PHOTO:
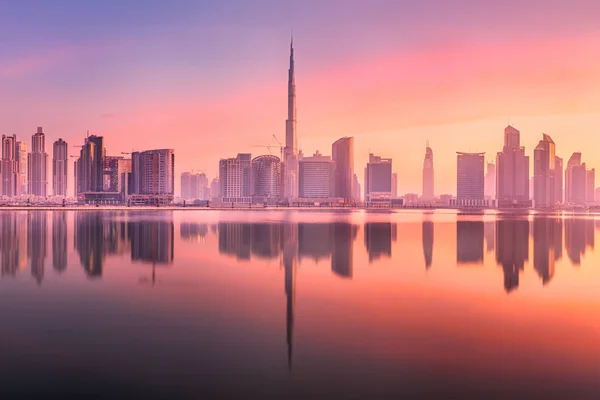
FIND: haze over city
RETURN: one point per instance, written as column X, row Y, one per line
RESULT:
column 209, row 80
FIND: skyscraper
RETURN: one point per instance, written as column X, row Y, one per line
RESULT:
column 235, row 178
column 558, row 180
column 490, row 181
column 342, row 153
column 576, row 181
column 60, row 160
column 378, row 179
column 22, row 167
column 37, row 161
column 512, row 168
column 356, row 188
column 316, row 177
column 590, row 185
column 394, row 185
column 10, row 166
column 290, row 154
column 470, row 179
column 544, row 169
column 428, row 192
column 153, row 172
column 90, row 166
column 266, row 178
column 185, row 185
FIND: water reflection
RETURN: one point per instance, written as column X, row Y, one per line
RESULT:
column 36, row 244
column 59, row 241
column 469, row 242
column 352, row 274
column 427, row 237
column 579, row 235
column 378, row 239
column 98, row 235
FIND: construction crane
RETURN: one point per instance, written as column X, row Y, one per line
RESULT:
column 264, row 145
column 280, row 146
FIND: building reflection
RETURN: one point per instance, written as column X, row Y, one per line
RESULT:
column 97, row 235
column 36, row 243
column 315, row 241
column 489, row 230
column 547, row 246
column 59, row 241
column 89, row 242
column 427, row 237
column 152, row 241
column 342, row 256
column 193, row 231
column 266, row 240
column 469, row 242
column 512, row 249
column 234, row 239
column 9, row 244
column 378, row 239
column 289, row 260
column 579, row 235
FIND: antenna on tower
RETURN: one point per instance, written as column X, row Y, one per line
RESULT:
column 427, row 143
column 88, row 133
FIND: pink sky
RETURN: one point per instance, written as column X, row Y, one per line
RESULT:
column 212, row 90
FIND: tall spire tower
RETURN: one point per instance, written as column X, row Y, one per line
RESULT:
column 290, row 157
column 291, row 140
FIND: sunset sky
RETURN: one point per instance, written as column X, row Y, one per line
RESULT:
column 209, row 78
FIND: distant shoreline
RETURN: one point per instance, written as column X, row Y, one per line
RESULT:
column 499, row 211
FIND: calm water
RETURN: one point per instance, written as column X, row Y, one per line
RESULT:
column 298, row 304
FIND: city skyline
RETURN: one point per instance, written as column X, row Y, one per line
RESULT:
column 450, row 105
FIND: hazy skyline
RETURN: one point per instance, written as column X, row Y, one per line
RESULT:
column 210, row 79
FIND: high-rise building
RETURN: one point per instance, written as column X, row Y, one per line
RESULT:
column 316, row 177
column 544, row 169
column 558, row 180
column 428, row 192
column 470, row 183
column 185, row 185
column 197, row 186
column 378, row 178
column 37, row 161
column 590, row 185
column 235, row 178
column 266, row 178
column 90, row 165
column 22, row 167
column 342, row 154
column 60, row 160
column 10, row 166
column 394, row 185
column 356, row 188
column 290, row 154
column 512, row 168
column 577, row 178
column 153, row 175
column 490, row 181
column 215, row 190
